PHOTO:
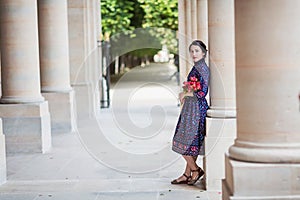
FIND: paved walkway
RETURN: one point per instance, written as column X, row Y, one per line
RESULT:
column 123, row 152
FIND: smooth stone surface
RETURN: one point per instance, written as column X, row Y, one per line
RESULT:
column 246, row 180
column 220, row 136
column 61, row 107
column 26, row 127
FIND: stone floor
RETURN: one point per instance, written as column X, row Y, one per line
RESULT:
column 122, row 152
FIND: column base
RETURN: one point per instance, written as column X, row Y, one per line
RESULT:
column 26, row 127
column 260, row 181
column 220, row 135
column 262, row 152
column 216, row 112
column 61, row 107
column 19, row 100
column 2, row 156
column 87, row 101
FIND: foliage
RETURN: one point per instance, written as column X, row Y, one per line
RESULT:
column 138, row 15
column 162, row 14
column 121, row 18
column 116, row 16
column 142, row 41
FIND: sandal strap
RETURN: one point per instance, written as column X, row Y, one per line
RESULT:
column 186, row 176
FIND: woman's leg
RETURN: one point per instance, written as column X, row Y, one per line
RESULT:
column 187, row 172
column 188, row 169
column 195, row 169
column 191, row 162
column 195, row 158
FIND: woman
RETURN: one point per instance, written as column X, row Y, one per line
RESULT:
column 190, row 129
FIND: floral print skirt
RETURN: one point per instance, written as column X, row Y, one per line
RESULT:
column 190, row 130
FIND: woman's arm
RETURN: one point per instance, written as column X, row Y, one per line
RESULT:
column 204, row 85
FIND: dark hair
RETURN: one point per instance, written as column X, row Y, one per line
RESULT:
column 200, row 44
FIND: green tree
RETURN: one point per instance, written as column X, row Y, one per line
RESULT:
column 138, row 15
column 162, row 14
column 158, row 18
column 116, row 16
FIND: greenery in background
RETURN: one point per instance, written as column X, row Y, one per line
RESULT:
column 164, row 15
column 139, row 42
column 138, row 15
column 160, row 13
column 121, row 18
column 116, row 16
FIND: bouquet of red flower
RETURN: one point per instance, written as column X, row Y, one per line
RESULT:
column 192, row 85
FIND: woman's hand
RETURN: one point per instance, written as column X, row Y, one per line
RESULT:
column 189, row 94
column 182, row 95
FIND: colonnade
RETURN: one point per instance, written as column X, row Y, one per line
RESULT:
column 214, row 22
column 39, row 47
column 192, row 22
column 24, row 111
column 49, row 50
column 254, row 95
column 264, row 162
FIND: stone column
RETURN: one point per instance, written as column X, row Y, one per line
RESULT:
column 83, row 36
column 192, row 24
column 54, row 63
column 2, row 146
column 94, row 67
column 194, row 18
column 25, row 114
column 202, row 21
column 77, row 53
column 264, row 162
column 221, row 116
column 0, row 76
column 2, row 156
column 182, row 43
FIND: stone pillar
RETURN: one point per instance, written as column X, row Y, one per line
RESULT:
column 2, row 146
column 77, row 53
column 202, row 21
column 192, row 24
column 0, row 77
column 95, row 53
column 2, row 156
column 54, row 63
column 194, row 18
column 83, row 36
column 221, row 116
column 182, row 43
column 25, row 114
column 264, row 162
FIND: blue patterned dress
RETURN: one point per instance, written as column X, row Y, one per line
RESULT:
column 190, row 130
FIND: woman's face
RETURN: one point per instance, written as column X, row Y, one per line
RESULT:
column 196, row 53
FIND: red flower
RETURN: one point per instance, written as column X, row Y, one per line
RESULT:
column 194, row 79
column 192, row 85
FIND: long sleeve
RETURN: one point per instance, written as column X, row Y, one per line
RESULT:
column 204, row 80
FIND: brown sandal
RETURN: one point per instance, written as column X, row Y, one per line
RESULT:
column 183, row 181
column 200, row 174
